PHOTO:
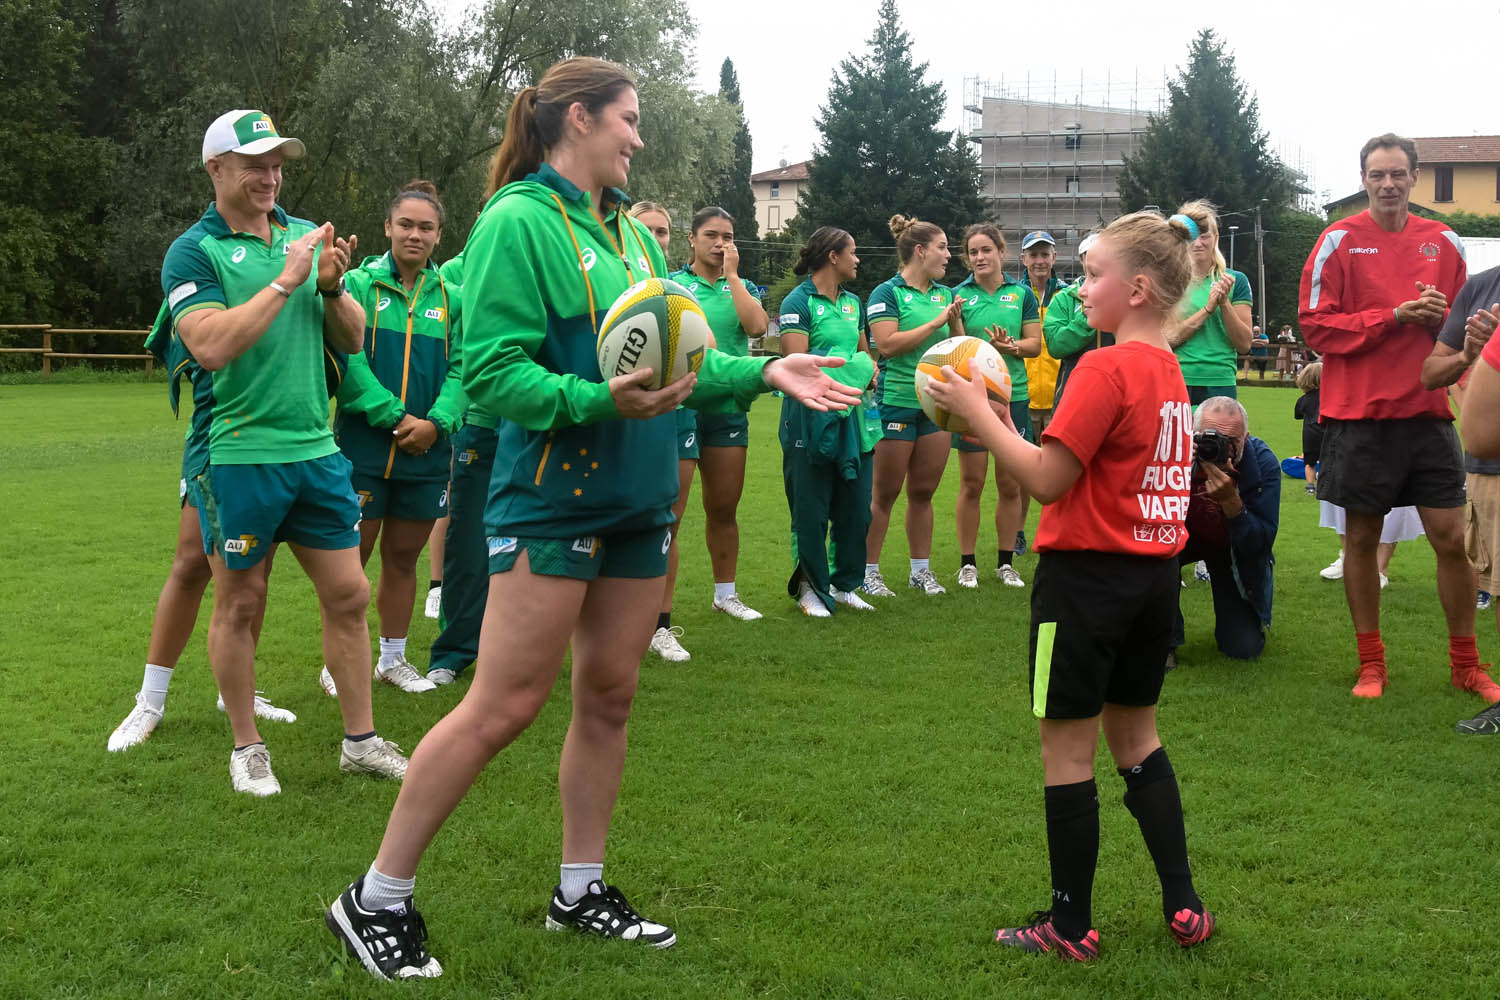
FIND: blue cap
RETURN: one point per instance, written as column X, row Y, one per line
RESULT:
column 1032, row 239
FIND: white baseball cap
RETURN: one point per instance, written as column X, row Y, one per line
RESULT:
column 248, row 132
column 1087, row 243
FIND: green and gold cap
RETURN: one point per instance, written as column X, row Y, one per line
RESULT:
column 248, row 132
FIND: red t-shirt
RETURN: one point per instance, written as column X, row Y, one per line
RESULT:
column 1351, row 285
column 1127, row 419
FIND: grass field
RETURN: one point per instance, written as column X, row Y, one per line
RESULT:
column 820, row 809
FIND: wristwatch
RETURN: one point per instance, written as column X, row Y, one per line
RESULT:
column 336, row 291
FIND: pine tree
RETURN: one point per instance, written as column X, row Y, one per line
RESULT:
column 1207, row 144
column 733, row 192
column 882, row 153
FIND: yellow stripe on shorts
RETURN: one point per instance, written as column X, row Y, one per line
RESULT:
column 1046, row 632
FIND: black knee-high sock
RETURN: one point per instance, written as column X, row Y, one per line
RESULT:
column 1152, row 797
column 1073, row 850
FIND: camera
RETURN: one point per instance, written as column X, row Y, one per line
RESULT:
column 1212, row 448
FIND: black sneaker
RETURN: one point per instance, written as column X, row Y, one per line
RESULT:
column 389, row 943
column 605, row 912
column 1486, row 723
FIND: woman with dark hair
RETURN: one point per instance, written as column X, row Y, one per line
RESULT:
column 824, row 463
column 398, row 407
column 908, row 314
column 732, row 305
column 579, row 511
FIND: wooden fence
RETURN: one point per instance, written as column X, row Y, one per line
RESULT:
column 49, row 353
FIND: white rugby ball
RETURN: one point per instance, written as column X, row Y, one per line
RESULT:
column 654, row 324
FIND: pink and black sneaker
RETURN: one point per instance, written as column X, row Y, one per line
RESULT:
column 1041, row 936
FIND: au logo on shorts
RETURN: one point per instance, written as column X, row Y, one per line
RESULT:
column 499, row 545
column 468, row 455
column 893, row 426
column 588, row 545
column 364, row 497
column 240, row 545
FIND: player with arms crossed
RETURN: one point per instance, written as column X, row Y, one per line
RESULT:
column 1113, row 469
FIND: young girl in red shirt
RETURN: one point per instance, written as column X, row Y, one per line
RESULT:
column 1114, row 468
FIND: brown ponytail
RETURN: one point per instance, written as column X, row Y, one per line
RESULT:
column 536, row 116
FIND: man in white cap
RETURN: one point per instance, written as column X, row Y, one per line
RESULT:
column 237, row 284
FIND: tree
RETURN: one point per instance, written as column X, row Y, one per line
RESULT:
column 1207, row 144
column 881, row 152
column 731, row 190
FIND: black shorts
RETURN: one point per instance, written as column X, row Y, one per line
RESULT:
column 1101, row 629
column 1370, row 466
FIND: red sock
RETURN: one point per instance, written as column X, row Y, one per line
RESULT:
column 1371, row 649
column 1463, row 654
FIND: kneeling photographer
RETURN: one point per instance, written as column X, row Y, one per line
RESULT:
column 1231, row 524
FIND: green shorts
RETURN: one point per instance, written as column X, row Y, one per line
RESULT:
column 243, row 509
column 410, row 500
column 636, row 555
column 723, row 430
column 1020, row 415
column 687, row 434
column 904, row 423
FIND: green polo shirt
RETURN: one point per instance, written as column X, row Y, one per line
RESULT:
column 1208, row 357
column 270, row 403
column 895, row 299
column 1010, row 307
column 717, row 300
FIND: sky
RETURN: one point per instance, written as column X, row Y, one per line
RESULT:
column 1328, row 74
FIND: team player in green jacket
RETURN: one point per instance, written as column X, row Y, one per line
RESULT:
column 907, row 315
column 398, row 410
column 735, row 314
column 579, row 510
column 1007, row 314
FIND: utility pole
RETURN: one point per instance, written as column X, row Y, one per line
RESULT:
column 1260, row 261
column 1232, row 231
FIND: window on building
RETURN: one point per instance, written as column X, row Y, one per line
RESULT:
column 1074, row 140
column 775, row 189
column 1073, row 185
column 773, row 217
column 1497, row 183
column 1442, row 183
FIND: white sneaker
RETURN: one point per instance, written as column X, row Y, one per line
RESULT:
column 434, row 602
column 968, row 577
column 664, row 644
column 137, row 726
column 810, row 603
column 1007, row 575
column 250, row 771
column 850, row 599
column 396, row 670
column 736, row 608
column 265, row 710
column 1334, row 570
column 1385, row 581
column 325, row 681
column 379, row 757
column 926, row 581
column 874, row 584
column 441, row 675
column 1200, row 571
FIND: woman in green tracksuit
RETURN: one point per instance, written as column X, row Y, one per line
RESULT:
column 907, row 315
column 579, row 507
column 735, row 314
column 397, row 408
column 1007, row 313
column 1066, row 329
column 824, row 462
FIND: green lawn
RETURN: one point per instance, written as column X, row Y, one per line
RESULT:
column 820, row 809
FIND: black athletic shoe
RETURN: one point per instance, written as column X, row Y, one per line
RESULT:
column 388, row 943
column 605, row 912
column 1486, row 723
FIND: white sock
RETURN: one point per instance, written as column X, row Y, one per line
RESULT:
column 872, row 567
column 918, row 564
column 574, row 880
column 723, row 591
column 392, row 648
column 154, row 685
column 381, row 891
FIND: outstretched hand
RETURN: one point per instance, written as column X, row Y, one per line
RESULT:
column 801, row 377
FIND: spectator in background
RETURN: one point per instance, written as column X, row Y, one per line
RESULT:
column 1066, row 329
column 1310, row 381
column 1374, row 292
column 1232, row 520
column 1038, row 255
column 1284, row 340
column 1213, row 324
column 1259, row 348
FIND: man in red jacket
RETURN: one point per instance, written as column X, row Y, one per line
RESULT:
column 1374, row 293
